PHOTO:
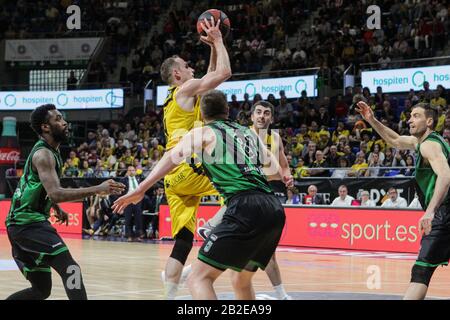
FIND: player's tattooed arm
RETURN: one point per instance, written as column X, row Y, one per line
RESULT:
column 44, row 164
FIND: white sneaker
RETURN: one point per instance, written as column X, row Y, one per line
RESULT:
column 287, row 297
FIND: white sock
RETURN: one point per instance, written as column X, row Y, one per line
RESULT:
column 171, row 289
column 279, row 290
column 185, row 273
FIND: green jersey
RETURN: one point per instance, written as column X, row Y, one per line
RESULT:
column 425, row 176
column 234, row 165
column 30, row 202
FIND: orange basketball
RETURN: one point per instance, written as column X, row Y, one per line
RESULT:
column 217, row 14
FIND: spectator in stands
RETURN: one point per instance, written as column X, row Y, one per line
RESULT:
column 133, row 213
column 415, row 204
column 72, row 81
column 106, row 139
column 301, row 170
column 389, row 157
column 85, row 171
column 91, row 139
column 292, row 197
column 394, row 200
column 343, row 200
column 69, row 169
column 374, row 164
column 317, row 165
column 333, row 157
column 151, row 224
column 324, row 142
column 343, row 168
column 358, row 168
column 340, row 131
column 309, row 153
column 127, row 158
column 349, row 154
column 376, row 149
column 312, row 198
column 156, row 146
column 120, row 149
column 365, row 199
column 409, row 171
column 283, row 110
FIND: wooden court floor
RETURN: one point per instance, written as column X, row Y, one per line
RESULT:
column 120, row 271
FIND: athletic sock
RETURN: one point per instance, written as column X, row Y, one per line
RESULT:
column 279, row 290
column 185, row 274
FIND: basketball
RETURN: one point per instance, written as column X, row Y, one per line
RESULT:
column 217, row 14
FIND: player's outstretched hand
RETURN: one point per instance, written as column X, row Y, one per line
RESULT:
column 110, row 187
column 123, row 202
column 365, row 111
column 61, row 216
column 212, row 31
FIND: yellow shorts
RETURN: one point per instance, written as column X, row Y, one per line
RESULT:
column 184, row 187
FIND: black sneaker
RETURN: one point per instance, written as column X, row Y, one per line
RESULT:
column 203, row 232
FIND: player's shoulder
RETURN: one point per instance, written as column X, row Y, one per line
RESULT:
column 429, row 147
column 42, row 153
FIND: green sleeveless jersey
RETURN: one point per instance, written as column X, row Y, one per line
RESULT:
column 235, row 165
column 425, row 176
column 30, row 202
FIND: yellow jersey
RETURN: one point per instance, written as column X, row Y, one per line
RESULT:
column 178, row 122
column 271, row 142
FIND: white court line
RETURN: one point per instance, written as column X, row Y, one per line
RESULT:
column 140, row 292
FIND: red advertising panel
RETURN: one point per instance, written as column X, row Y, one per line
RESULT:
column 74, row 209
column 358, row 229
column 165, row 225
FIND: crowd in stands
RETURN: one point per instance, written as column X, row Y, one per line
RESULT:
column 283, row 34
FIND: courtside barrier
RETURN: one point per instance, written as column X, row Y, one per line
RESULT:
column 335, row 228
column 74, row 209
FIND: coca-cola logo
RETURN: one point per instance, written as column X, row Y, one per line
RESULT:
column 9, row 156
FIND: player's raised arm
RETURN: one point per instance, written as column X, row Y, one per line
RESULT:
column 44, row 163
column 432, row 151
column 222, row 70
column 388, row 135
column 274, row 169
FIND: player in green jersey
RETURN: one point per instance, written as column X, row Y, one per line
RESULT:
column 232, row 157
column 262, row 115
column 36, row 246
column 433, row 182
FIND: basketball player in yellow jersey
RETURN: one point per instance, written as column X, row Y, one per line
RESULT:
column 262, row 117
column 186, row 184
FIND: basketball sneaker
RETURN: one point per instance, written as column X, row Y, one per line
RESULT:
column 204, row 232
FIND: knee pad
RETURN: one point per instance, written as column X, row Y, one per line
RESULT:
column 183, row 245
column 420, row 274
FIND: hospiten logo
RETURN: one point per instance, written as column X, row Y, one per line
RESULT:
column 418, row 78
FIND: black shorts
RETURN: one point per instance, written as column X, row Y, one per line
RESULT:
column 248, row 234
column 32, row 244
column 435, row 247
